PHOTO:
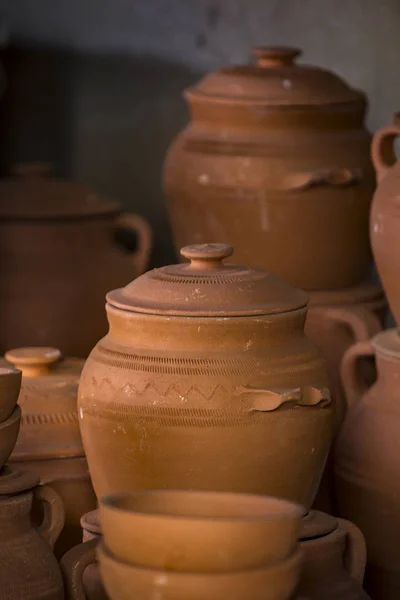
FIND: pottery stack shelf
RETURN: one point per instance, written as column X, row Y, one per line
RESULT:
column 367, row 459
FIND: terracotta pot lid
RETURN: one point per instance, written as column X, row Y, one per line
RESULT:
column 276, row 80
column 207, row 287
column 48, row 400
column 317, row 524
column 15, row 482
column 362, row 294
column 34, row 194
column 387, row 342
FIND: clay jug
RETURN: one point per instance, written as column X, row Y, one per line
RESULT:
column 28, row 567
column 385, row 215
column 367, row 462
column 333, row 562
column 276, row 161
column 204, row 371
column 49, row 442
column 58, row 256
column 336, row 319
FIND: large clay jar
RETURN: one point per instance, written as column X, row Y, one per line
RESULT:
column 368, row 462
column 334, row 563
column 49, row 442
column 58, row 256
column 385, row 214
column 276, row 161
column 28, row 567
column 206, row 381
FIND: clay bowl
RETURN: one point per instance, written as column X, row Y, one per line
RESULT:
column 9, row 430
column 125, row 581
column 199, row 531
column 10, row 385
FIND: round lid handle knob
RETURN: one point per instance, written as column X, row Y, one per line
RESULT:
column 206, row 256
column 33, row 361
column 275, row 56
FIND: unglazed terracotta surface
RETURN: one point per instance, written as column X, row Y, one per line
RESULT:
column 385, row 214
column 8, row 435
column 206, row 381
column 367, row 461
column 10, row 385
column 276, row 161
column 28, row 567
column 333, row 564
column 59, row 257
column 199, row 531
column 49, row 442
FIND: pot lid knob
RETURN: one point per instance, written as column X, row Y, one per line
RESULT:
column 206, row 256
column 275, row 56
column 33, row 170
column 33, row 361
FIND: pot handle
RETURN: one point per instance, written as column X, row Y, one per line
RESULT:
column 354, row 387
column 363, row 323
column 382, row 150
column 141, row 227
column 54, row 513
column 323, row 177
column 73, row 565
column 264, row 400
column 355, row 558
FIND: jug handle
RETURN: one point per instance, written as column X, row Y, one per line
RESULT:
column 355, row 558
column 141, row 227
column 73, row 565
column 363, row 323
column 382, row 150
column 354, row 387
column 54, row 513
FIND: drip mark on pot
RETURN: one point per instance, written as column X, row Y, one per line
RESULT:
column 203, row 179
column 264, row 218
column 287, row 84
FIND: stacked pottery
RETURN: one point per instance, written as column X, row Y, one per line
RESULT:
column 59, row 254
column 28, row 567
column 182, row 545
column 49, row 442
column 367, row 458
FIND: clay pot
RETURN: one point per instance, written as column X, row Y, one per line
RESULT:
column 203, row 374
column 124, row 581
column 58, row 257
column 334, row 563
column 10, row 385
column 276, row 151
column 28, row 567
column 199, row 531
column 367, row 460
column 8, row 435
column 385, row 216
column 49, row 442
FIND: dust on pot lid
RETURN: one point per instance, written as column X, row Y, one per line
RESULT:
column 32, row 193
column 207, row 287
column 275, row 80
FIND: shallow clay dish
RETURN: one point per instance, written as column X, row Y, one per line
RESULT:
column 10, row 384
column 124, row 582
column 9, row 430
column 199, row 531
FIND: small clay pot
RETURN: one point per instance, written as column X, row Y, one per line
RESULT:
column 199, row 531
column 10, row 384
column 334, row 564
column 28, row 567
column 49, row 442
column 124, row 581
column 8, row 435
